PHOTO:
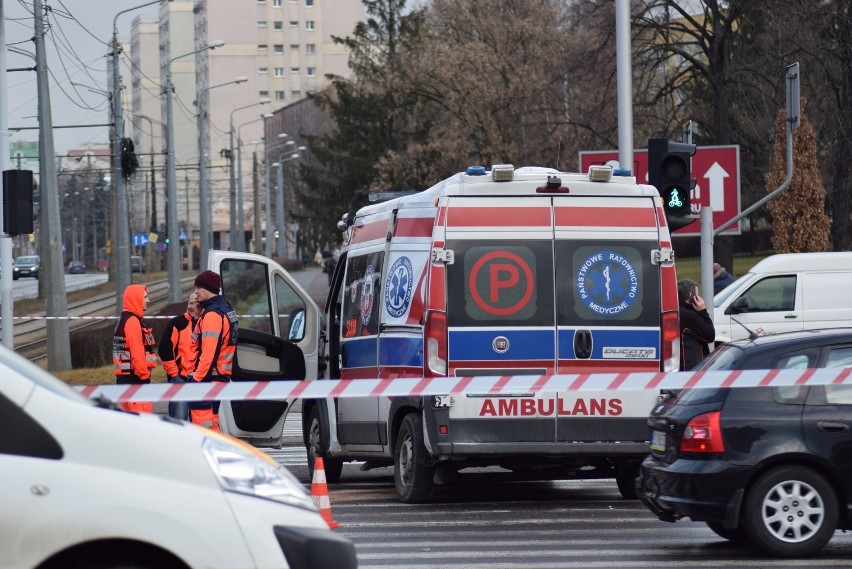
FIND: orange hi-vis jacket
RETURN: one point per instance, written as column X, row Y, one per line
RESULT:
column 133, row 342
column 177, row 346
column 216, row 337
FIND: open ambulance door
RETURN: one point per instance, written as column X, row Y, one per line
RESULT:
column 279, row 329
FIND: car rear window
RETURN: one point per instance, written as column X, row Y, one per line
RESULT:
column 725, row 357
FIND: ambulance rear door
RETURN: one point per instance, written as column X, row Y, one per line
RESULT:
column 608, row 306
column 500, row 314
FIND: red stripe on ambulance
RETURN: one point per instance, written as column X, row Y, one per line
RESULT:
column 498, row 217
column 599, row 216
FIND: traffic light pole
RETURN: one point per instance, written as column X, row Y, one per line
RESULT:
column 707, row 232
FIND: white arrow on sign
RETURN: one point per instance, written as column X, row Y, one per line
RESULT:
column 716, row 175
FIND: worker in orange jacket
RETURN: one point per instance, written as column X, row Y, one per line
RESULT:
column 177, row 352
column 133, row 344
column 216, row 340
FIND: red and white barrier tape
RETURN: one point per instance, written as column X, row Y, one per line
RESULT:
column 266, row 316
column 487, row 385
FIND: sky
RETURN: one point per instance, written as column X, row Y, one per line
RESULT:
column 82, row 29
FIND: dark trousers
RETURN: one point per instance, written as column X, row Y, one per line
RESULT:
column 178, row 409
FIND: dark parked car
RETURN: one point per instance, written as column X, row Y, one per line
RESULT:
column 26, row 266
column 767, row 465
column 76, row 268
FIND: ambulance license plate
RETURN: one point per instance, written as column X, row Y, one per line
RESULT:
column 658, row 441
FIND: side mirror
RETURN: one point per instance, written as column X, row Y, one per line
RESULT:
column 297, row 325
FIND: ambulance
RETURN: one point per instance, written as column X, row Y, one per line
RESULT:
column 500, row 272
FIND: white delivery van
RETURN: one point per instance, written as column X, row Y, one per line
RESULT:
column 786, row 292
column 84, row 484
column 527, row 271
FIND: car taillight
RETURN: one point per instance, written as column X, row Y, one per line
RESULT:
column 435, row 344
column 703, row 434
column 671, row 341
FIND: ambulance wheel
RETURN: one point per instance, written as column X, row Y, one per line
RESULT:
column 413, row 477
column 316, row 448
column 625, row 479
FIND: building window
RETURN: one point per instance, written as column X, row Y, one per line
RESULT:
column 261, row 47
column 276, row 3
column 278, row 25
column 309, row 2
column 294, row 70
column 294, row 47
column 310, row 48
column 279, row 95
column 261, row 23
column 263, row 70
column 261, row 1
column 310, row 25
column 295, row 94
column 279, row 72
column 263, row 93
column 311, row 71
column 294, row 23
column 279, row 48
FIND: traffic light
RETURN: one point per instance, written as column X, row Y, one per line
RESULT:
column 669, row 171
column 276, row 234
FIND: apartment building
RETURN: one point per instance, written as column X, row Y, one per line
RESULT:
column 280, row 50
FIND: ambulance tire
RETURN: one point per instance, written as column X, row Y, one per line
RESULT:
column 625, row 479
column 413, row 477
column 317, row 447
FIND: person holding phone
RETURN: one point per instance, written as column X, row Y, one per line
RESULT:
column 696, row 326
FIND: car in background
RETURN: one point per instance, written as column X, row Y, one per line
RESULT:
column 76, row 268
column 86, row 484
column 26, row 266
column 137, row 264
column 767, row 465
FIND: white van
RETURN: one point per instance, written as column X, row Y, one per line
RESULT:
column 784, row 293
column 84, row 484
column 526, row 271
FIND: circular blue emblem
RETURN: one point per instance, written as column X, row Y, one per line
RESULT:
column 399, row 287
column 607, row 283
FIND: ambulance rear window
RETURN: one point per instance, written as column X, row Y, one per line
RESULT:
column 491, row 283
column 609, row 283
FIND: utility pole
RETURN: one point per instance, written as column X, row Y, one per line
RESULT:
column 258, row 245
column 58, row 339
column 7, row 309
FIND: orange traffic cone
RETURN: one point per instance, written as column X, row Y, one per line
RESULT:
column 319, row 492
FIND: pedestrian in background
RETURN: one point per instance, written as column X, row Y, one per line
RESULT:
column 216, row 341
column 133, row 344
column 721, row 278
column 177, row 352
column 696, row 326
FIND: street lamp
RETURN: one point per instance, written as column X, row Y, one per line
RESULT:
column 232, row 237
column 122, row 229
column 280, row 250
column 268, row 245
column 204, row 215
column 173, row 235
column 241, row 230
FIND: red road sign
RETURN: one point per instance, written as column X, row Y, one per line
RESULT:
column 716, row 170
